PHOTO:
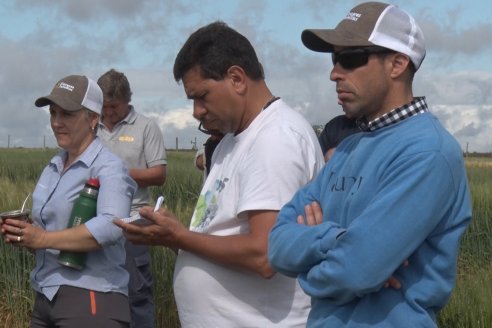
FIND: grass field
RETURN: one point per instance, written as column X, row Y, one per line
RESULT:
column 470, row 305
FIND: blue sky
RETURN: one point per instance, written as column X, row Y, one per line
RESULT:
column 44, row 40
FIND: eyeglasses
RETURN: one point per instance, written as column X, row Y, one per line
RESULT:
column 211, row 132
column 202, row 129
column 352, row 58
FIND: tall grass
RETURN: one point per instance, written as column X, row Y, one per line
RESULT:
column 181, row 190
column 19, row 171
column 470, row 305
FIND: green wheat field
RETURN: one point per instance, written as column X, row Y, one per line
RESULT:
column 469, row 307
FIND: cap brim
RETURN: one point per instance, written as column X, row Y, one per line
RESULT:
column 315, row 40
column 63, row 102
column 326, row 40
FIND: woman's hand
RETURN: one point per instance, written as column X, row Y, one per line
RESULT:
column 22, row 233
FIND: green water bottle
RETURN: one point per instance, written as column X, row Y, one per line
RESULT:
column 84, row 209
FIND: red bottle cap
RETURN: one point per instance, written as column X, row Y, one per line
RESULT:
column 93, row 182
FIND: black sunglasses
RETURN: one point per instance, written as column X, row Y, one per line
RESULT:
column 352, row 58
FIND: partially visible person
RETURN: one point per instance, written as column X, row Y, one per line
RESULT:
column 222, row 276
column 209, row 148
column 203, row 157
column 337, row 129
column 95, row 296
column 396, row 191
column 139, row 142
column 199, row 161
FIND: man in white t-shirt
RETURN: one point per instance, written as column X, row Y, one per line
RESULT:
column 222, row 276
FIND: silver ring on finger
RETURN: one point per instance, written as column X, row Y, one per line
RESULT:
column 19, row 239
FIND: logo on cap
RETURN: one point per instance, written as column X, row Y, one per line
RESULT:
column 353, row 16
column 63, row 85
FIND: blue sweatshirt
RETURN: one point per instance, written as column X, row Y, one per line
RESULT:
column 393, row 194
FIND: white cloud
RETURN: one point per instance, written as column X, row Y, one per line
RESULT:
column 470, row 125
column 178, row 127
column 44, row 40
column 180, row 118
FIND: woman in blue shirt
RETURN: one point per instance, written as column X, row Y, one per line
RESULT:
column 97, row 294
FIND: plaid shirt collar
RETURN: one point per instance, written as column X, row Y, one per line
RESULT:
column 417, row 106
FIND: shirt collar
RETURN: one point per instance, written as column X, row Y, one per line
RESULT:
column 87, row 157
column 129, row 119
column 417, row 106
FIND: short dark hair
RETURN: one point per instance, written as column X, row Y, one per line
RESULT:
column 115, row 85
column 214, row 48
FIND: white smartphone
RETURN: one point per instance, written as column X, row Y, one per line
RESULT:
column 137, row 219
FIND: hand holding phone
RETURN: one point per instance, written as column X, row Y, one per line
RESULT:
column 137, row 219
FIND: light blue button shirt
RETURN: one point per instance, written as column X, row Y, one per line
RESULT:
column 53, row 200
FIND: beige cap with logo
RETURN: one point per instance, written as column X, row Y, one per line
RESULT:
column 372, row 24
column 73, row 93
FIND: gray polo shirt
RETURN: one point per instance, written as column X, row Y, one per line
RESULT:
column 139, row 142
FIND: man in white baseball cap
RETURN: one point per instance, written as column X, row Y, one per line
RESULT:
column 396, row 191
column 372, row 24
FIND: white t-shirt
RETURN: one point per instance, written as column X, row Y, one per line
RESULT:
column 259, row 169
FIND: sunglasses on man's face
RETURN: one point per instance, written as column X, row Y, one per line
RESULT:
column 352, row 58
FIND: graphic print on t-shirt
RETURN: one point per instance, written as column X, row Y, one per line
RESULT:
column 206, row 207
